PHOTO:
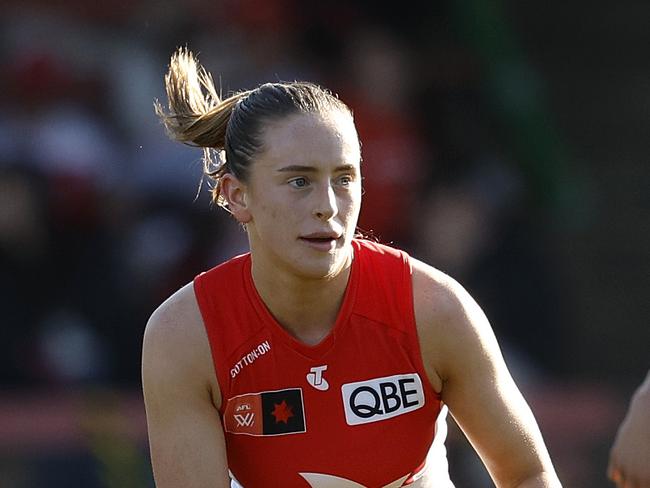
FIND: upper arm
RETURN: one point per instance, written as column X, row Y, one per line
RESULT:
column 461, row 353
column 185, row 433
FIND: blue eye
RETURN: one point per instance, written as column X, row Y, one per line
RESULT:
column 299, row 182
column 345, row 180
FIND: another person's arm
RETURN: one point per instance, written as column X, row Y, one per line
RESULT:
column 464, row 362
column 185, row 433
column 629, row 459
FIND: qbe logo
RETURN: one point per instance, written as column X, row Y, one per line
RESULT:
column 382, row 398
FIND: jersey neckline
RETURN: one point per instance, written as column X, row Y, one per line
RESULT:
column 315, row 351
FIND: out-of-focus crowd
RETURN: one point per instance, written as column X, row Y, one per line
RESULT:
column 101, row 216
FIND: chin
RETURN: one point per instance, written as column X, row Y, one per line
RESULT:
column 324, row 267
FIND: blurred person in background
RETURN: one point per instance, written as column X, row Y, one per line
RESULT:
column 308, row 361
column 629, row 459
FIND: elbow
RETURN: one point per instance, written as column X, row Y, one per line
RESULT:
column 540, row 479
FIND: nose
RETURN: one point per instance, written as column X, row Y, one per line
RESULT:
column 325, row 207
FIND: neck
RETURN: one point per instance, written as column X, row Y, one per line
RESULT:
column 306, row 307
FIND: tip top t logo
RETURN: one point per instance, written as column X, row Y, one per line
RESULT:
column 315, row 378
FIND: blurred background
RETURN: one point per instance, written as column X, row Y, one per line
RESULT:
column 504, row 142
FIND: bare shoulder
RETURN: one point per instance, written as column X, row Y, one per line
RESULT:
column 441, row 303
column 448, row 320
column 178, row 315
column 175, row 345
column 438, row 294
column 175, row 325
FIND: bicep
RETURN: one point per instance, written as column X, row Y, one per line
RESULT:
column 185, row 433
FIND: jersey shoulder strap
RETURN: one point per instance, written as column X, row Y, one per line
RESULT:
column 227, row 313
column 385, row 288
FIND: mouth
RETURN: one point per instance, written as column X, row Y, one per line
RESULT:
column 321, row 241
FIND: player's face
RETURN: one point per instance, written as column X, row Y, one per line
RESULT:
column 304, row 195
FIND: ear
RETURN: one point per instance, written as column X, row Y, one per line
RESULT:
column 234, row 191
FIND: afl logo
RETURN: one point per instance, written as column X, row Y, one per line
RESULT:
column 382, row 398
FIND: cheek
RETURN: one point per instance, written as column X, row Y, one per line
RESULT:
column 269, row 212
column 351, row 206
column 274, row 215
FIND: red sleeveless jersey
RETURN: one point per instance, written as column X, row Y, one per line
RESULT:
column 355, row 410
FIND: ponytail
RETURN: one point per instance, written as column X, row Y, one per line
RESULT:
column 230, row 130
column 197, row 115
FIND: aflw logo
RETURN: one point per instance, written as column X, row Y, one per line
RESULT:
column 276, row 412
column 382, row 398
column 245, row 420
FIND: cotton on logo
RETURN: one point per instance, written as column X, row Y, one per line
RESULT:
column 245, row 420
column 315, row 378
column 319, row 480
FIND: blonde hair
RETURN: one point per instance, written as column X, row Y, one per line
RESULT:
column 230, row 130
